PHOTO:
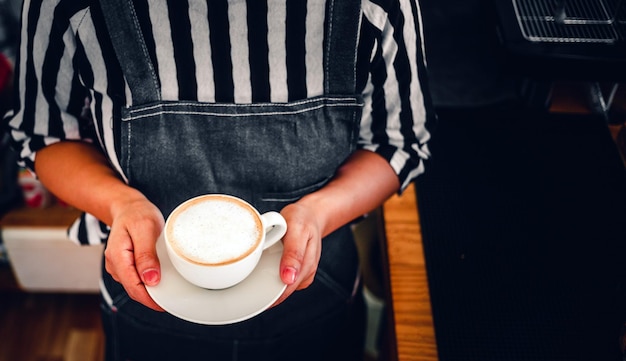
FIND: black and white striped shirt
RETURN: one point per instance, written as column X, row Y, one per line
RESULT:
column 232, row 51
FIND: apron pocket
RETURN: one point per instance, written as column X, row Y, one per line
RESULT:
column 173, row 151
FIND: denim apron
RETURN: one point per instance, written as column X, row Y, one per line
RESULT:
column 270, row 154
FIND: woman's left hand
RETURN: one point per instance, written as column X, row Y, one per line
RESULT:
column 302, row 247
column 361, row 184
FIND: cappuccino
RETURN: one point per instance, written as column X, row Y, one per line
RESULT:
column 215, row 241
column 214, row 230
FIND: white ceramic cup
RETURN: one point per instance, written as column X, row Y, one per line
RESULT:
column 215, row 241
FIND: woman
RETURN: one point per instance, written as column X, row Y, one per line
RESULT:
column 317, row 109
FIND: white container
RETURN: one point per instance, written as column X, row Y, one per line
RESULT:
column 44, row 260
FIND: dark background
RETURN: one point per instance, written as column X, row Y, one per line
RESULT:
column 523, row 211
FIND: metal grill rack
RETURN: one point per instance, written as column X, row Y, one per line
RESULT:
column 572, row 21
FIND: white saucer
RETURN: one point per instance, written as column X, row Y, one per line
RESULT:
column 218, row 307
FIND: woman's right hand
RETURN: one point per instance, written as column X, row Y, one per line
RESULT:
column 130, row 255
column 79, row 174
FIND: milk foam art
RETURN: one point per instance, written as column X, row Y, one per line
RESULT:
column 214, row 232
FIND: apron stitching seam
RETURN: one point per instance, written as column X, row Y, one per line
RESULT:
column 204, row 113
column 256, row 105
column 128, row 145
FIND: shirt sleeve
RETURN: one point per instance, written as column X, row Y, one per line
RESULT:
column 397, row 112
column 49, row 102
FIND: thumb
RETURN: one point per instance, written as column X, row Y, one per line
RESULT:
column 147, row 263
column 291, row 261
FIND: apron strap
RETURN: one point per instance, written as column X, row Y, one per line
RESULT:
column 343, row 21
column 126, row 37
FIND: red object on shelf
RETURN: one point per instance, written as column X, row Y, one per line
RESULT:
column 34, row 193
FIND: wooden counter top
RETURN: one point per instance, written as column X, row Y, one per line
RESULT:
column 413, row 329
column 55, row 216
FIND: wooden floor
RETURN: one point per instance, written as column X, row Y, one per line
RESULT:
column 48, row 327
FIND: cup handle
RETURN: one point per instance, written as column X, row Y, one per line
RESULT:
column 275, row 228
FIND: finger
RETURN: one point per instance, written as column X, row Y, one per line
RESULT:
column 125, row 273
column 291, row 263
column 306, row 281
column 133, row 284
column 291, row 260
column 299, row 261
column 146, row 261
column 139, row 293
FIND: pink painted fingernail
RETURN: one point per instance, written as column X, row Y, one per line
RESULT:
column 150, row 277
column 289, row 275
